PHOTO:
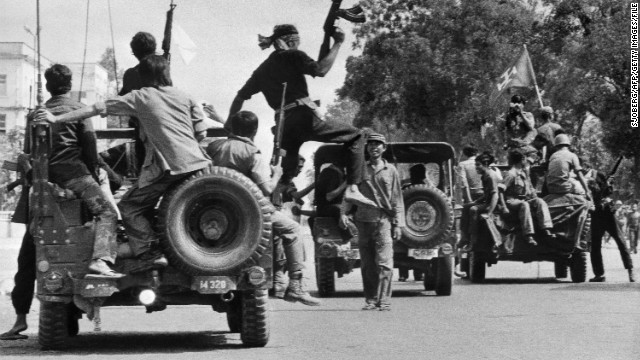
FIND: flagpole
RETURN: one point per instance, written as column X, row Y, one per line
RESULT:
column 535, row 83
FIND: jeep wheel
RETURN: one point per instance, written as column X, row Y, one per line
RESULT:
column 52, row 330
column 561, row 270
column 578, row 267
column 255, row 321
column 429, row 216
column 430, row 275
column 444, row 275
column 213, row 222
column 477, row 268
column 325, row 277
column 234, row 313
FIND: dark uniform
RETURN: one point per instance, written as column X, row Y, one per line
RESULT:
column 302, row 122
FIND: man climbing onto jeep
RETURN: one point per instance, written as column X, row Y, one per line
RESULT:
column 167, row 117
column 238, row 152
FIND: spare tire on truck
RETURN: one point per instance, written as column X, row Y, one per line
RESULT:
column 214, row 221
column 429, row 216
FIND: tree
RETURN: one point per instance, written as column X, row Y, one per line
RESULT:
column 428, row 65
column 592, row 43
column 107, row 61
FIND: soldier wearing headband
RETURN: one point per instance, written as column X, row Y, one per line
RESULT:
column 287, row 64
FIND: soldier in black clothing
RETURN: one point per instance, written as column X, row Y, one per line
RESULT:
column 603, row 220
column 289, row 65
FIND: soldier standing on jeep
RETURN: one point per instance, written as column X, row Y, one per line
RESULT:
column 379, row 225
column 238, row 152
column 167, row 117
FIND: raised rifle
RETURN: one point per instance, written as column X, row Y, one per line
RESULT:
column 353, row 15
column 278, row 151
column 166, row 41
column 615, row 168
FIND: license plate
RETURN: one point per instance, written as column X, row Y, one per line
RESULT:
column 213, row 284
column 423, row 254
column 349, row 254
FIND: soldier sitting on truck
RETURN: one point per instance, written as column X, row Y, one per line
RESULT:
column 484, row 205
column 238, row 152
column 562, row 164
column 521, row 198
column 167, row 117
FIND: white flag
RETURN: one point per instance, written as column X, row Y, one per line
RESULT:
column 186, row 47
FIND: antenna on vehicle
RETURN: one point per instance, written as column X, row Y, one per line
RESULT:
column 39, row 97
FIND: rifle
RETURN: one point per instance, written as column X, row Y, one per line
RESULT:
column 166, row 41
column 353, row 15
column 615, row 168
column 278, row 152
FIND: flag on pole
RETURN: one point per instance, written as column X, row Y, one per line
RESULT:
column 186, row 47
column 518, row 74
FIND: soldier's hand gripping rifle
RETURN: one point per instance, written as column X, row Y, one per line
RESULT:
column 353, row 15
column 166, row 41
column 278, row 151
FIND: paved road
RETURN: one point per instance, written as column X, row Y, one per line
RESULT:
column 520, row 313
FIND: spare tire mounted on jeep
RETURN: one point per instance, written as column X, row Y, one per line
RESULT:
column 429, row 216
column 215, row 221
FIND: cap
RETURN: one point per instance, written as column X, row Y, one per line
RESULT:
column 546, row 110
column 618, row 202
column 377, row 137
column 562, row 139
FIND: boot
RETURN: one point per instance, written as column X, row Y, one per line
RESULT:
column 295, row 292
column 354, row 196
column 631, row 276
column 531, row 241
column 598, row 278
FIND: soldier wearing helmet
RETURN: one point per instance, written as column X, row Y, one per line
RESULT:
column 561, row 166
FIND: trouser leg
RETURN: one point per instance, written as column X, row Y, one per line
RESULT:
column 25, row 278
column 597, row 231
column 543, row 216
column 287, row 229
column 366, row 246
column 353, row 139
column 464, row 223
column 384, row 261
column 136, row 208
column 613, row 229
column 279, row 262
column 633, row 234
column 524, row 215
column 474, row 214
column 105, row 216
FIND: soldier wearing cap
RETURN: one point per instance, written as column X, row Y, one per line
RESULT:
column 287, row 64
column 378, row 225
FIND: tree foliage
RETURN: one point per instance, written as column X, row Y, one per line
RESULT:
column 428, row 66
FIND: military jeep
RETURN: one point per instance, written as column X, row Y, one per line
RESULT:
column 229, row 268
column 500, row 237
column 428, row 240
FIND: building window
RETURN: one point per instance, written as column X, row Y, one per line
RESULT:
column 3, row 123
column 3, row 85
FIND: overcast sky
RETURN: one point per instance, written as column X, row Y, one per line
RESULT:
column 224, row 31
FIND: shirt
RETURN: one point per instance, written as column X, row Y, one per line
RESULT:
column 634, row 220
column 73, row 144
column 517, row 184
column 167, row 117
column 281, row 66
column 382, row 186
column 469, row 177
column 240, row 154
column 490, row 183
column 523, row 132
column 548, row 130
column 561, row 164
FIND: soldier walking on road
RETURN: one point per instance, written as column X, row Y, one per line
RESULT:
column 378, row 225
column 633, row 227
column 302, row 123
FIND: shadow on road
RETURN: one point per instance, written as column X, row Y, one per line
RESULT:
column 524, row 281
column 131, row 343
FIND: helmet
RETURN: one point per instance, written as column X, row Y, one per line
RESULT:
column 546, row 110
column 562, row 139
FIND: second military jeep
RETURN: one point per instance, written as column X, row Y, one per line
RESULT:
column 428, row 240
column 215, row 231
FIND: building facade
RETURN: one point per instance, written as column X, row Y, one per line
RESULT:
column 18, row 87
